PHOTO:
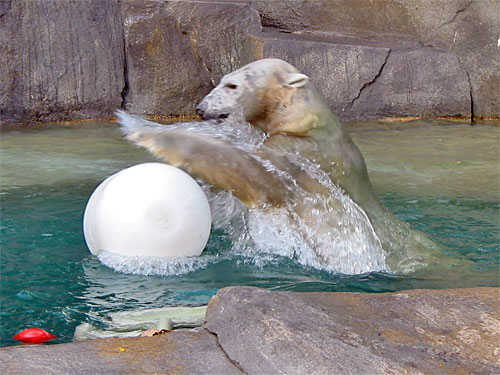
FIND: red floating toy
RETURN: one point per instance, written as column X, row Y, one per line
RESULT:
column 34, row 336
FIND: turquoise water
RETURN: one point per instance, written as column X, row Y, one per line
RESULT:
column 50, row 280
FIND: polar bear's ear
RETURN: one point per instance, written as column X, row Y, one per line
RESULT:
column 296, row 80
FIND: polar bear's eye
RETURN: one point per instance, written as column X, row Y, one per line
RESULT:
column 232, row 86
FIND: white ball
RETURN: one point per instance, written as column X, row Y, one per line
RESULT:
column 150, row 209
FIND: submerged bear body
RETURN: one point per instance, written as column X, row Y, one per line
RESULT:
column 305, row 165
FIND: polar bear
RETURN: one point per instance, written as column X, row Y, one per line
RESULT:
column 278, row 100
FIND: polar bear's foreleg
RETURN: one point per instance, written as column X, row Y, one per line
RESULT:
column 214, row 161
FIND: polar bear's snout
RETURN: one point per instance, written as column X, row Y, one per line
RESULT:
column 213, row 108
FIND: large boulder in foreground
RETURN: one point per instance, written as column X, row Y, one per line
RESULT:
column 257, row 331
column 410, row 332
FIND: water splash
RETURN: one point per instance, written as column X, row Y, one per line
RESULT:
column 324, row 231
column 320, row 227
column 335, row 236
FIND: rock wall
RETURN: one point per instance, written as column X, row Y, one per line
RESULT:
column 60, row 59
column 66, row 60
column 363, row 79
column 468, row 30
column 176, row 52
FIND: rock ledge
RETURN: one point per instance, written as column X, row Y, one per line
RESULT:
column 256, row 331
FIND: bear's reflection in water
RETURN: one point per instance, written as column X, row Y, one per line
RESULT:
column 283, row 176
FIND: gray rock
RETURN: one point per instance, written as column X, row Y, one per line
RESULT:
column 410, row 332
column 68, row 60
column 468, row 28
column 60, row 59
column 178, row 51
column 257, row 331
column 473, row 34
column 362, row 79
column 416, row 82
column 404, row 20
column 178, row 352
column 71, row 60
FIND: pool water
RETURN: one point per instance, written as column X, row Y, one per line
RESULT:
column 442, row 178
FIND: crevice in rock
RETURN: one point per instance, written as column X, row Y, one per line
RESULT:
column 428, row 42
column 274, row 24
column 471, row 93
column 125, row 89
column 457, row 13
column 5, row 7
column 369, row 83
column 234, row 363
column 194, row 45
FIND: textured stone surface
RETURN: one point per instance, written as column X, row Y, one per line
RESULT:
column 468, row 28
column 361, row 79
column 81, row 59
column 60, row 59
column 338, row 68
column 179, row 352
column 416, row 82
column 473, row 34
column 375, row 19
column 410, row 332
column 178, row 51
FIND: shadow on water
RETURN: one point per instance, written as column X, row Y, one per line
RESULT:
column 50, row 280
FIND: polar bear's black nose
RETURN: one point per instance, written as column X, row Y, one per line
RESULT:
column 210, row 116
column 200, row 112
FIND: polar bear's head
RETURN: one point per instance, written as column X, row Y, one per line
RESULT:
column 270, row 93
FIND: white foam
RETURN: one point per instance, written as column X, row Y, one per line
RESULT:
column 144, row 265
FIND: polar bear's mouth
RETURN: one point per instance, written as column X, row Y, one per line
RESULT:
column 222, row 116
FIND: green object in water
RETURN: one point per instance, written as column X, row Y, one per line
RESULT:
column 133, row 323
